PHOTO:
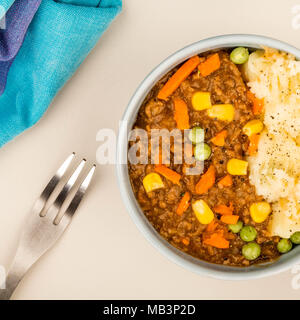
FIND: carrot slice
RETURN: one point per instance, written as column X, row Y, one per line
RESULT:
column 219, row 138
column 206, row 181
column 217, row 240
column 211, row 64
column 253, row 145
column 257, row 104
column 183, row 204
column 185, row 241
column 225, row 181
column 181, row 114
column 212, row 226
column 224, row 210
column 168, row 173
column 230, row 219
column 180, row 75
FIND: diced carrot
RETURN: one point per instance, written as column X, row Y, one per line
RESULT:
column 253, row 145
column 185, row 241
column 217, row 240
column 179, row 76
column 168, row 173
column 206, row 181
column 160, row 160
column 211, row 64
column 183, row 204
column 257, row 104
column 181, row 114
column 219, row 138
column 225, row 181
column 212, row 226
column 224, row 210
column 230, row 219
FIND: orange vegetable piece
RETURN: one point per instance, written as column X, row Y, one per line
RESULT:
column 212, row 226
column 225, row 181
column 219, row 138
column 258, row 104
column 211, row 64
column 181, row 114
column 180, row 75
column 206, row 181
column 217, row 240
column 230, row 219
column 253, row 145
column 168, row 173
column 183, row 204
column 160, row 160
column 185, row 241
column 224, row 210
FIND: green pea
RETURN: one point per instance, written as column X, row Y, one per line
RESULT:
column 239, row 55
column 236, row 228
column 196, row 135
column 295, row 237
column 251, row 251
column 202, row 151
column 284, row 245
column 248, row 233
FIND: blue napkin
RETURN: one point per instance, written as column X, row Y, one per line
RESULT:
column 5, row 4
column 59, row 38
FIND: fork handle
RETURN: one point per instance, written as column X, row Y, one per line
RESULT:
column 13, row 278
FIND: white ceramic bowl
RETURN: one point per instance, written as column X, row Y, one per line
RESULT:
column 201, row 267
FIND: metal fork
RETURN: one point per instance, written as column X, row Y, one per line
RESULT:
column 45, row 226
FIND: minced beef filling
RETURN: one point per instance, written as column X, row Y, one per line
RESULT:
column 225, row 85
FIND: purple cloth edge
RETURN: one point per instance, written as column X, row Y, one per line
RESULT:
column 18, row 19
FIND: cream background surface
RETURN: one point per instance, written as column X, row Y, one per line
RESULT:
column 103, row 255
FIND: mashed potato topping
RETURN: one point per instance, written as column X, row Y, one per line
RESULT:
column 275, row 170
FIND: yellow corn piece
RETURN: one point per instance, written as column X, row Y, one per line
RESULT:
column 237, row 167
column 203, row 212
column 201, row 100
column 223, row 112
column 253, row 127
column 152, row 181
column 259, row 211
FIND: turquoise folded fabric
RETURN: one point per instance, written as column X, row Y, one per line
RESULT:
column 5, row 4
column 59, row 38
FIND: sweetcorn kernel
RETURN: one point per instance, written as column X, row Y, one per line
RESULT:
column 201, row 100
column 253, row 127
column 237, row 167
column 260, row 211
column 223, row 112
column 203, row 212
column 152, row 181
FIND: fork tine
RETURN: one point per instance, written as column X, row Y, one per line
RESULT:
column 41, row 233
column 79, row 194
column 41, row 202
column 55, row 207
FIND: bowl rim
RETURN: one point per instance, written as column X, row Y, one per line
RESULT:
column 175, row 255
